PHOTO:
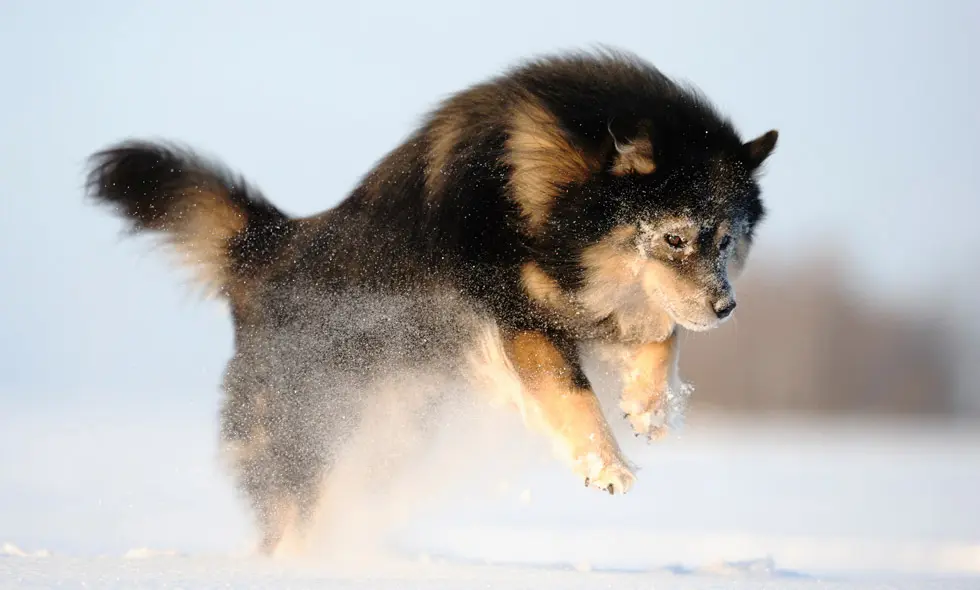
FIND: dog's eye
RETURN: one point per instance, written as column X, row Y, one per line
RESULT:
column 674, row 241
column 725, row 243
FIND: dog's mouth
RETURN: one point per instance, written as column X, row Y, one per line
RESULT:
column 696, row 325
column 702, row 321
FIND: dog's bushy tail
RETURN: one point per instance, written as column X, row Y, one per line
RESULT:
column 218, row 224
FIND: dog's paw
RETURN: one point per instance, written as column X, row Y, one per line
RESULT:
column 615, row 479
column 651, row 424
column 659, row 415
column 609, row 474
column 648, row 417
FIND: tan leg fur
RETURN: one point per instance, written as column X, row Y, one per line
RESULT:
column 649, row 373
column 568, row 411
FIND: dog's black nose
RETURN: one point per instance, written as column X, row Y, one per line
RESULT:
column 724, row 308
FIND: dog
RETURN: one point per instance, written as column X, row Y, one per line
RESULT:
column 576, row 199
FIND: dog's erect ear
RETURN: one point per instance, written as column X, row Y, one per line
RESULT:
column 633, row 150
column 757, row 150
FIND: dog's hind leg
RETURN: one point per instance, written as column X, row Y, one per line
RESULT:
column 245, row 441
column 269, row 436
column 278, row 464
column 273, row 507
column 299, row 456
column 560, row 400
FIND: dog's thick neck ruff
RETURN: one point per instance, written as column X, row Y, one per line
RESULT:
column 576, row 198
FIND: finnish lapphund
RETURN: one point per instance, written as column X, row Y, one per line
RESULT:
column 577, row 199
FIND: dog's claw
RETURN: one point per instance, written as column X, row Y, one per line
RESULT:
column 615, row 478
column 644, row 428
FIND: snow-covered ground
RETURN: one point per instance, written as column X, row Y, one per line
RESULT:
column 114, row 492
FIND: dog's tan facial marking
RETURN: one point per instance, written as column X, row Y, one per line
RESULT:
column 656, row 238
column 612, row 259
column 570, row 412
column 684, row 299
column 542, row 160
column 662, row 279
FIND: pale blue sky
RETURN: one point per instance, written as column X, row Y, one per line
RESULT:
column 878, row 104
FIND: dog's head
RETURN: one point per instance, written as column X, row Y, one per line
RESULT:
column 681, row 220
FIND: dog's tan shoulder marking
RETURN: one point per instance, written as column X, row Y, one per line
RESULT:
column 542, row 160
column 544, row 290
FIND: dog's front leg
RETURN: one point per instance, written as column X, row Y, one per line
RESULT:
column 650, row 377
column 560, row 400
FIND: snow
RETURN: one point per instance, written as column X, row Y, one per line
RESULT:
column 113, row 492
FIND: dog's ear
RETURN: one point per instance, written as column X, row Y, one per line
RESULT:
column 760, row 148
column 632, row 148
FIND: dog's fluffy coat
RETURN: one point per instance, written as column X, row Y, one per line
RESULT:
column 576, row 199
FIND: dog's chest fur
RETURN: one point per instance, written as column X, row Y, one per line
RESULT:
column 626, row 312
column 611, row 306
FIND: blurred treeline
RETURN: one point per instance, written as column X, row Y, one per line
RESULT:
column 805, row 341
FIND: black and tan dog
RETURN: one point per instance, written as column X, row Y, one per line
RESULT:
column 577, row 199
